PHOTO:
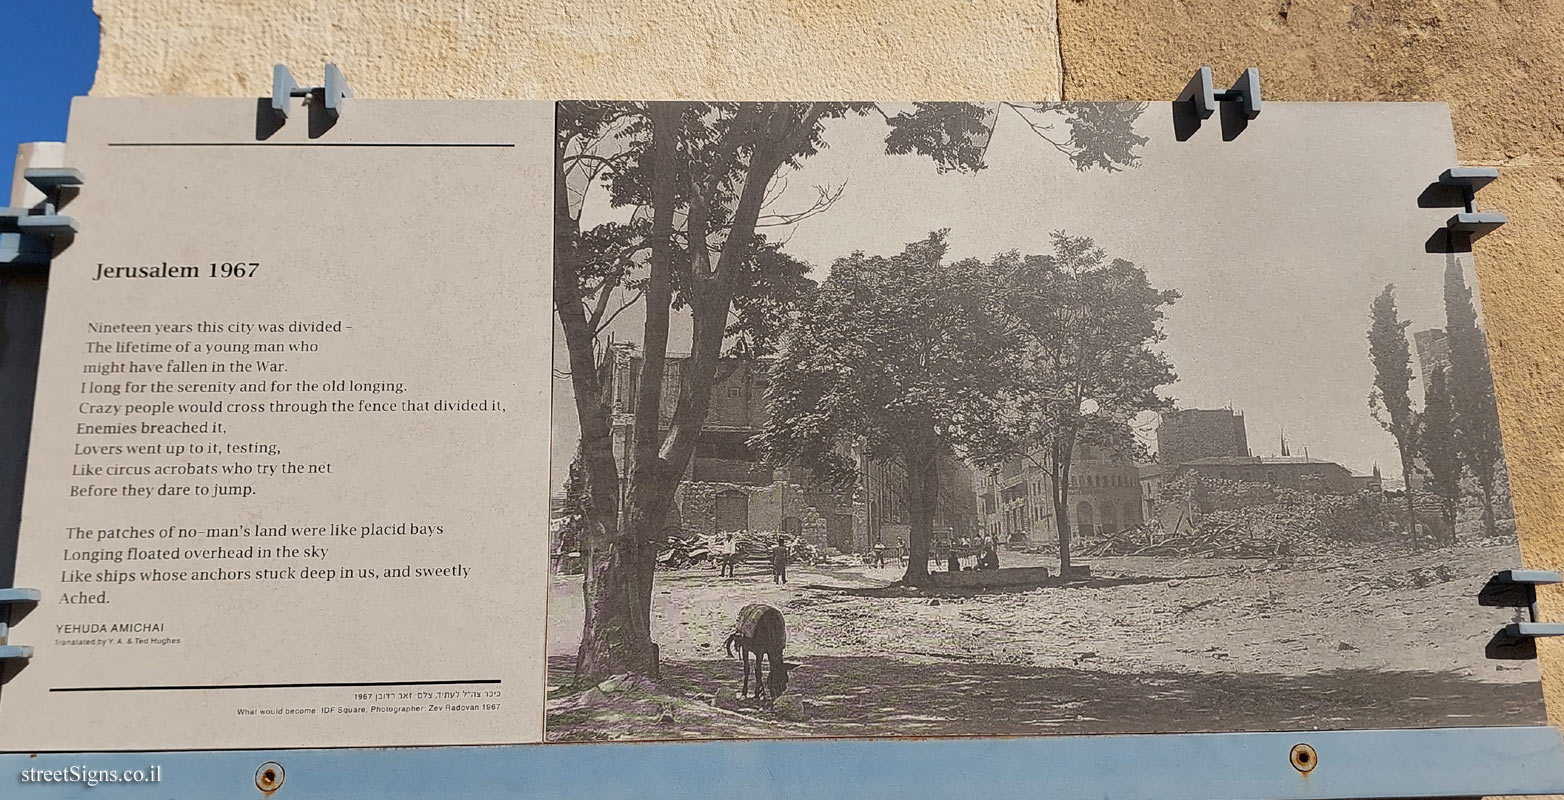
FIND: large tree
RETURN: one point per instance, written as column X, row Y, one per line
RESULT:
column 1090, row 325
column 1438, row 445
column 696, row 179
column 1390, row 400
column 907, row 358
column 1471, row 388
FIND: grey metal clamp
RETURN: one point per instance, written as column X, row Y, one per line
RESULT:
column 1201, row 91
column 1471, row 222
column 333, row 93
column 9, row 597
column 31, row 236
column 1517, row 588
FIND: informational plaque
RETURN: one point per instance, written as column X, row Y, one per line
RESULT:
column 290, row 446
column 466, row 422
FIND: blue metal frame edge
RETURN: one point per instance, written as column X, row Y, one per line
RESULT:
column 1435, row 762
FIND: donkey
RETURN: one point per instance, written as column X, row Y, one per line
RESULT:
column 760, row 631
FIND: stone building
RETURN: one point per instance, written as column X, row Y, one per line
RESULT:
column 729, row 487
column 1292, row 472
column 1016, row 500
column 1191, row 433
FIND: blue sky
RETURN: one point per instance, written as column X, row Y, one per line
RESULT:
column 48, row 54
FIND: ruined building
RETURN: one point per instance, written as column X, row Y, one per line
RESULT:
column 1191, row 433
column 729, row 487
column 1289, row 472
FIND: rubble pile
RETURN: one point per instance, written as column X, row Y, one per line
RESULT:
column 1217, row 518
column 687, row 550
column 1153, row 540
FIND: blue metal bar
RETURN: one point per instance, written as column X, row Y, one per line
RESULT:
column 48, row 225
column 9, row 596
column 1448, row 762
column 1535, row 629
column 1532, row 576
column 1201, row 91
column 46, row 179
column 1476, row 223
column 1472, row 178
column 17, row 249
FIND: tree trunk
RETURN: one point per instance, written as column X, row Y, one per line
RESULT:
column 616, row 634
column 615, row 638
column 1061, row 495
column 1406, row 473
column 922, row 503
column 621, row 557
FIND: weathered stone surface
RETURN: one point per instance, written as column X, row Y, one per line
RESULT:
column 726, row 698
column 770, row 49
column 1497, row 62
column 1522, row 289
column 790, row 708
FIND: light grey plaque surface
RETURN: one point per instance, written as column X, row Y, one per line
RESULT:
column 370, row 310
column 328, row 544
column 1250, row 561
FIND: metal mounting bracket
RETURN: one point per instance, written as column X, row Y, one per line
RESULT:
column 1472, row 223
column 9, row 597
column 333, row 93
column 1201, row 90
column 1517, row 588
column 31, row 236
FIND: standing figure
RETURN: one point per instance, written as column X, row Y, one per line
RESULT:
column 879, row 554
column 730, row 555
column 779, row 561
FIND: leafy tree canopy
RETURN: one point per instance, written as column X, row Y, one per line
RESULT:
column 890, row 347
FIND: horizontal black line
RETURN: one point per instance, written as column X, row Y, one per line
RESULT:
column 265, row 686
column 311, row 144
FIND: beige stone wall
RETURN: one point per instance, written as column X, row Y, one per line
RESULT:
column 756, row 49
column 1497, row 62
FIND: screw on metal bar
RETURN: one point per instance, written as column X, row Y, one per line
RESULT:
column 1303, row 758
column 333, row 93
column 1517, row 588
column 269, row 777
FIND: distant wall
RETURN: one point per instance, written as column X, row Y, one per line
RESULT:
column 1191, row 433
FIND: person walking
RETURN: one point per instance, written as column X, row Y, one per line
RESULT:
column 901, row 547
column 879, row 554
column 730, row 555
column 779, row 561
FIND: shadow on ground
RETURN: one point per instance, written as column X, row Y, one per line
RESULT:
column 888, row 696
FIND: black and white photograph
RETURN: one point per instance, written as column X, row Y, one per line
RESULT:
column 1017, row 418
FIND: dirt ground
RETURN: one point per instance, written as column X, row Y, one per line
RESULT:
column 1360, row 639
